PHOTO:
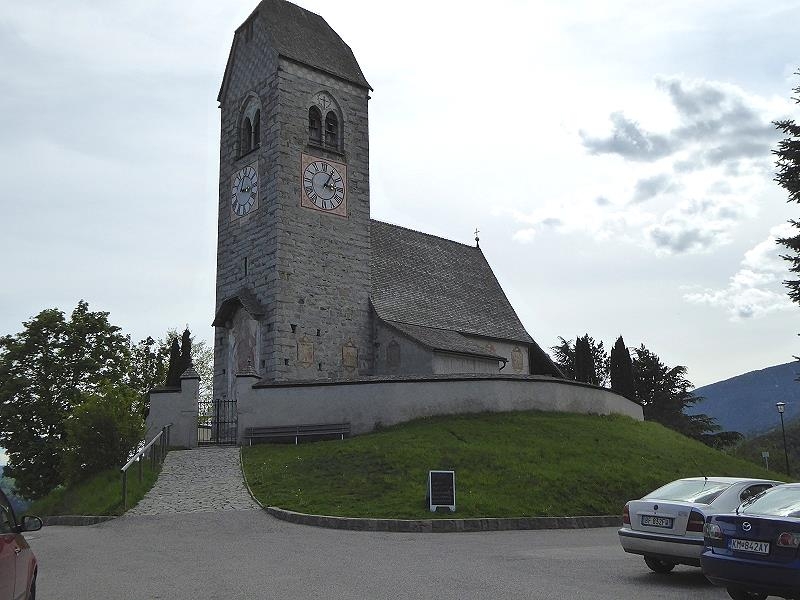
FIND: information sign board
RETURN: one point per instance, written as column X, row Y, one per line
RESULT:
column 442, row 490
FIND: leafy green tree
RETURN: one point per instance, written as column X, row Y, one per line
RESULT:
column 621, row 370
column 148, row 366
column 44, row 371
column 202, row 358
column 788, row 176
column 665, row 392
column 103, row 431
column 564, row 357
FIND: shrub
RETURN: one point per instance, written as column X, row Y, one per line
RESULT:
column 102, row 431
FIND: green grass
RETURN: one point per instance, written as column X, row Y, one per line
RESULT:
column 100, row 494
column 507, row 465
column 772, row 442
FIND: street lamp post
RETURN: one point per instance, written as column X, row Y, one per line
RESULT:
column 781, row 406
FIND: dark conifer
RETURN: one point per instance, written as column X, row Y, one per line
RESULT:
column 622, row 370
column 788, row 177
column 173, row 375
column 186, row 352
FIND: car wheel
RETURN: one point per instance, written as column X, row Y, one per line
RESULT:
column 658, row 565
column 740, row 594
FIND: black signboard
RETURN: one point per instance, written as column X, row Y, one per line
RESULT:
column 442, row 490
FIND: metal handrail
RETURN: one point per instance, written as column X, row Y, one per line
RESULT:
column 157, row 454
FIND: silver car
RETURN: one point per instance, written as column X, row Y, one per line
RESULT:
column 666, row 525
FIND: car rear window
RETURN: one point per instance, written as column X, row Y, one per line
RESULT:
column 699, row 491
column 779, row 501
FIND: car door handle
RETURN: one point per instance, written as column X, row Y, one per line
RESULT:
column 17, row 550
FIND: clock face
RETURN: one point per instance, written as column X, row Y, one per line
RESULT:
column 244, row 190
column 324, row 185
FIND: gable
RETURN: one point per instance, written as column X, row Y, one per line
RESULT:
column 305, row 37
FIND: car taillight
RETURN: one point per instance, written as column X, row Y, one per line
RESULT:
column 712, row 531
column 789, row 540
column 626, row 516
column 696, row 521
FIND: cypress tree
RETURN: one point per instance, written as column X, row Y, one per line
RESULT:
column 584, row 361
column 173, row 376
column 622, row 370
column 186, row 352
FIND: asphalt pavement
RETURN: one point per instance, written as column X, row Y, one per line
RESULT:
column 249, row 554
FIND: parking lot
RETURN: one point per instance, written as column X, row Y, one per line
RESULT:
column 248, row 554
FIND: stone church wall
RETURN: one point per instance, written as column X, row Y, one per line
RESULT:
column 324, row 258
column 396, row 354
column 367, row 404
column 254, row 236
column 445, row 363
column 309, row 270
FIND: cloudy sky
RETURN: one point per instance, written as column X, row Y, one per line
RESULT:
column 614, row 155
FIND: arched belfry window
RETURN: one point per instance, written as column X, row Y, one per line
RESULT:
column 257, row 129
column 247, row 136
column 332, row 130
column 314, row 125
column 250, row 124
column 325, row 122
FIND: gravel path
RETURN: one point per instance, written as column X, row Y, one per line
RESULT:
column 199, row 480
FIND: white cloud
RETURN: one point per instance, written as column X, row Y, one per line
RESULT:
column 756, row 289
column 3, row 457
column 684, row 186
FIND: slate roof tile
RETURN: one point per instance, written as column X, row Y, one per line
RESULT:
column 444, row 340
column 428, row 281
column 306, row 37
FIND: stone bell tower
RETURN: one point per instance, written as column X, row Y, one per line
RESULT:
column 293, row 249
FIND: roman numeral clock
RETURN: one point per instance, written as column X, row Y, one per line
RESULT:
column 323, row 185
column 244, row 190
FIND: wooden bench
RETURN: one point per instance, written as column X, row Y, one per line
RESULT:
column 284, row 433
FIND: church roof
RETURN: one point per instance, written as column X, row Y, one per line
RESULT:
column 444, row 340
column 427, row 281
column 306, row 37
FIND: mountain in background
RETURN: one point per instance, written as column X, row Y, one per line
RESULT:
column 746, row 403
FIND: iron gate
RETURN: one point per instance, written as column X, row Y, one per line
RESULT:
column 217, row 422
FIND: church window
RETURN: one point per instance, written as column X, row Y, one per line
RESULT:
column 331, row 130
column 250, row 124
column 257, row 129
column 247, row 136
column 314, row 125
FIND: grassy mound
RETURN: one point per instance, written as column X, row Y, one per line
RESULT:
column 507, row 465
column 100, row 494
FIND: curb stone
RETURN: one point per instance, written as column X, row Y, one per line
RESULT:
column 75, row 520
column 445, row 525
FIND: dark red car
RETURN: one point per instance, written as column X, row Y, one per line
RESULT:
column 18, row 567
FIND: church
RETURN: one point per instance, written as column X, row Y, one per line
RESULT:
column 309, row 287
column 325, row 316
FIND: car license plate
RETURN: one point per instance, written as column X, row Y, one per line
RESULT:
column 651, row 521
column 750, row 546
